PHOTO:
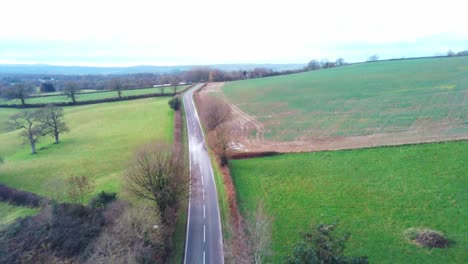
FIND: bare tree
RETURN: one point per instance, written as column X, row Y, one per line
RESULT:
column 374, row 57
column 116, row 85
column 31, row 127
column 159, row 176
column 174, row 83
column 219, row 139
column 314, row 65
column 260, row 234
column 71, row 89
column 78, row 187
column 339, row 62
column 53, row 119
column 215, row 111
column 18, row 91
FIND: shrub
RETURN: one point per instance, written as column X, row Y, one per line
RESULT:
column 18, row 197
column 78, row 187
column 64, row 231
column 432, row 239
column 174, row 103
column 426, row 238
column 134, row 237
column 102, row 199
column 319, row 246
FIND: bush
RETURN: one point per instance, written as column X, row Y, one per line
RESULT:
column 135, row 236
column 102, row 199
column 426, row 238
column 174, row 103
column 319, row 246
column 18, row 197
column 432, row 239
column 64, row 231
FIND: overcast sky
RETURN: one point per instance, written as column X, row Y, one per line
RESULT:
column 175, row 32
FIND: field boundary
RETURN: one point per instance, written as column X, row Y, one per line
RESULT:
column 99, row 91
column 18, row 197
column 97, row 101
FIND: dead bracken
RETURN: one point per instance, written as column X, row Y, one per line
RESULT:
column 427, row 238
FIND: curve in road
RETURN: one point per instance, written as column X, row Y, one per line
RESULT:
column 204, row 239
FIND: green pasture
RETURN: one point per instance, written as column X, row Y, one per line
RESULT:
column 87, row 96
column 100, row 144
column 375, row 194
column 8, row 213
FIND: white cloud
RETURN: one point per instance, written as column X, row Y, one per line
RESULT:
column 217, row 31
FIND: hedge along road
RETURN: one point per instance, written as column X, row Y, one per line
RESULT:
column 204, row 239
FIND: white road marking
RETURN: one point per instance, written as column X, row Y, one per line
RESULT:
column 197, row 148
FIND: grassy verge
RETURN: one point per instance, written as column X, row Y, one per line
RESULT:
column 8, row 213
column 375, row 193
column 100, row 144
column 181, row 226
column 222, row 198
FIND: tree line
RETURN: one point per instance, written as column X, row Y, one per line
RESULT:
column 22, row 86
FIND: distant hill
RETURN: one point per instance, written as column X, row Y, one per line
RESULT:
column 85, row 70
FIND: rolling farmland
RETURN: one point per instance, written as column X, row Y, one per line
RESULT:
column 404, row 101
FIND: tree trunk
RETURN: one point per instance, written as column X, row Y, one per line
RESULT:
column 33, row 147
column 56, row 136
column 73, row 98
column 22, row 101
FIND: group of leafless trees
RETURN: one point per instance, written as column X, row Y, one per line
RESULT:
column 36, row 124
column 22, row 86
column 324, row 64
column 22, row 91
column 217, row 116
column 71, row 89
column 217, row 119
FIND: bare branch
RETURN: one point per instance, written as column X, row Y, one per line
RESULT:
column 215, row 111
column 157, row 175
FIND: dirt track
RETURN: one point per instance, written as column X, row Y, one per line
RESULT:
column 248, row 134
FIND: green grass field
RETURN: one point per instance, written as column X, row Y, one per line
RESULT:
column 375, row 194
column 90, row 96
column 101, row 143
column 361, row 99
column 8, row 213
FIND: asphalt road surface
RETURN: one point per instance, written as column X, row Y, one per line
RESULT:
column 204, row 239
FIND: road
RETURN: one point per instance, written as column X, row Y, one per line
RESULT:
column 204, row 239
